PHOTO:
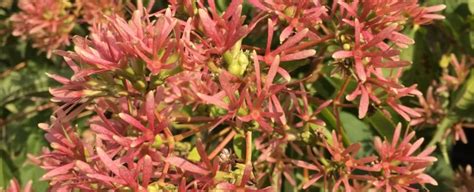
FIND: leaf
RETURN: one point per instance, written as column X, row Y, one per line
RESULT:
column 357, row 130
column 384, row 126
column 33, row 173
column 408, row 53
column 193, row 155
column 25, row 80
column 463, row 104
column 470, row 4
column 239, row 145
column 6, row 172
column 442, row 172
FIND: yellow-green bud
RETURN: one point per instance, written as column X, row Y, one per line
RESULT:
column 290, row 11
column 92, row 93
column 444, row 61
column 346, row 46
column 157, row 142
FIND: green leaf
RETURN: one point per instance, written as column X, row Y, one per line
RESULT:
column 357, row 131
column 408, row 53
column 239, row 145
column 193, row 155
column 384, row 126
column 33, row 173
column 470, row 4
column 6, row 168
column 442, row 172
column 441, row 128
column 463, row 104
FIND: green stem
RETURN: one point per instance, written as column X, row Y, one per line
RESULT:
column 446, row 123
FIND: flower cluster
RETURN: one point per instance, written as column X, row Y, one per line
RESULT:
column 435, row 106
column 396, row 166
column 188, row 98
column 49, row 23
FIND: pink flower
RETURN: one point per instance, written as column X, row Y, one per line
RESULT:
column 430, row 109
column 46, row 22
column 223, row 30
column 347, row 158
column 423, row 15
column 298, row 15
column 453, row 81
column 289, row 50
column 96, row 11
column 363, row 55
column 399, row 164
column 255, row 101
column 15, row 186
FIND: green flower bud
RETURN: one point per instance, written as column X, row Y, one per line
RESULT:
column 236, row 59
column 444, row 61
column 158, row 142
column 346, row 46
column 92, row 93
column 290, row 11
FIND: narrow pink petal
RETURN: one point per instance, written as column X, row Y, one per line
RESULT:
column 435, row 8
column 269, row 36
column 83, row 167
column 360, row 70
column 256, row 3
column 226, row 186
column 147, row 170
column 342, row 54
column 272, row 73
column 396, row 135
column 209, row 26
column 385, row 33
column 58, row 171
column 349, row 9
column 293, row 40
column 298, row 55
column 14, row 186
column 215, row 100
column 305, row 165
column 28, row 186
column 106, row 179
column 58, row 78
column 286, row 33
column 150, row 109
column 401, row 38
column 312, row 181
column 256, row 64
column 357, row 29
column 364, row 103
column 132, row 121
column 427, row 179
column 279, row 109
column 186, row 165
column 107, row 161
column 284, row 74
column 415, row 146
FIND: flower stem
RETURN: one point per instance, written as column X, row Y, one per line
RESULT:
column 248, row 148
column 170, row 138
column 221, row 145
column 336, row 104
